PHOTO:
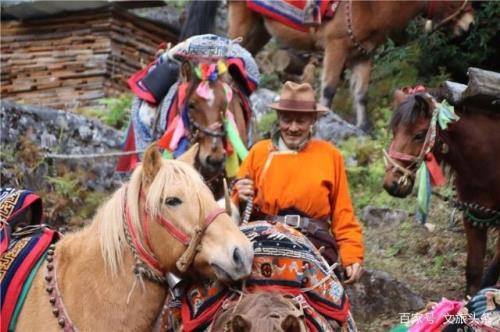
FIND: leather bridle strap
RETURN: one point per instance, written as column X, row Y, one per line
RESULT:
column 187, row 257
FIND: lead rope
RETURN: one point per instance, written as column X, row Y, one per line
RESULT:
column 248, row 211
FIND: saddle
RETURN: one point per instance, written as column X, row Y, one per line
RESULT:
column 286, row 262
column 23, row 245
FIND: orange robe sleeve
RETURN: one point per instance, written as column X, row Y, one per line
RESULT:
column 345, row 227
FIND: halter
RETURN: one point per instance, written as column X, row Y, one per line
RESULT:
column 147, row 263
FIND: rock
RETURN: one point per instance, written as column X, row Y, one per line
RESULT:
column 333, row 128
column 374, row 216
column 53, row 131
column 261, row 99
column 377, row 293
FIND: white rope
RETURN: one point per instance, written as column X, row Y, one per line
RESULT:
column 322, row 281
column 90, row 155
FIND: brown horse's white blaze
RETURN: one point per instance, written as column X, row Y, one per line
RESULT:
column 94, row 267
column 207, row 116
column 349, row 39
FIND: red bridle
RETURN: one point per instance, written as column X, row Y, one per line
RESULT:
column 144, row 248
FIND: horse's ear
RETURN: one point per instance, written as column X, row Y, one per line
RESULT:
column 151, row 163
column 185, row 71
column 189, row 156
column 399, row 96
column 240, row 324
column 291, row 324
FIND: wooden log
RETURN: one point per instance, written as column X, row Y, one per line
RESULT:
column 482, row 83
column 454, row 91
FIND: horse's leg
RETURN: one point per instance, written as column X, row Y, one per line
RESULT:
column 493, row 272
column 360, row 79
column 245, row 23
column 476, row 248
column 333, row 65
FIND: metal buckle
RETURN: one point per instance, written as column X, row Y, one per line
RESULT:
column 292, row 220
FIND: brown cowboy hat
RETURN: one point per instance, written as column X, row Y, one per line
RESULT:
column 297, row 97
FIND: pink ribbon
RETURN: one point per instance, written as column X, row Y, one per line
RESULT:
column 179, row 132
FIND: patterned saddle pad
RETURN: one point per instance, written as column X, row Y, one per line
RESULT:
column 23, row 243
column 286, row 262
column 292, row 12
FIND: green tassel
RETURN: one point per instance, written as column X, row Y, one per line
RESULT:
column 446, row 114
column 424, row 191
column 167, row 155
column 235, row 139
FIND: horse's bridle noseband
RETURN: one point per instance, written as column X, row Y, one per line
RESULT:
column 147, row 263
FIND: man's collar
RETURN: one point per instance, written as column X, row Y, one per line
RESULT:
column 279, row 144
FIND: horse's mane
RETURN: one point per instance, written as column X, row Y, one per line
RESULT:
column 414, row 106
column 110, row 216
column 410, row 109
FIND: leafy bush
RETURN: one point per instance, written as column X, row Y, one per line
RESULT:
column 478, row 48
column 116, row 112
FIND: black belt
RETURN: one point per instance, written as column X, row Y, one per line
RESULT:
column 304, row 224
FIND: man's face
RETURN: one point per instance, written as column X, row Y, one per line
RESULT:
column 295, row 127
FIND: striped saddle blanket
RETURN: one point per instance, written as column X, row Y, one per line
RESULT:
column 292, row 12
column 286, row 262
column 23, row 243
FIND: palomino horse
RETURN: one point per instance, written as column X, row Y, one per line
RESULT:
column 469, row 146
column 164, row 219
column 348, row 39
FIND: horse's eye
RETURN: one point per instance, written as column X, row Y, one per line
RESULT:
column 419, row 136
column 172, row 201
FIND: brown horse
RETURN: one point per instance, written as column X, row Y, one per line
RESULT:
column 469, row 147
column 261, row 312
column 349, row 39
column 207, row 117
column 87, row 280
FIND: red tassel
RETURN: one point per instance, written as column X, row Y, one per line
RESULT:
column 437, row 177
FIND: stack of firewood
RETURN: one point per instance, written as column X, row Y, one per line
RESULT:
column 74, row 60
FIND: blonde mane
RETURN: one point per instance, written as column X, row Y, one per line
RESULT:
column 110, row 216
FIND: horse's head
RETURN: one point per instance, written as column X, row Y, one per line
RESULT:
column 207, row 99
column 410, row 125
column 266, row 312
column 458, row 14
column 180, row 224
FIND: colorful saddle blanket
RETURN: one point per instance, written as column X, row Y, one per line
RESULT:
column 292, row 12
column 285, row 261
column 24, row 242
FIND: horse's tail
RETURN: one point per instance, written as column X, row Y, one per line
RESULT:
column 200, row 18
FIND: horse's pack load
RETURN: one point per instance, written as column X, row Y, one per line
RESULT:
column 23, row 246
column 293, row 13
column 285, row 262
column 156, row 114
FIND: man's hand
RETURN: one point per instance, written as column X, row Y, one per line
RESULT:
column 353, row 273
column 244, row 188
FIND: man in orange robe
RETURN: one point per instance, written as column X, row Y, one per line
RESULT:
column 295, row 175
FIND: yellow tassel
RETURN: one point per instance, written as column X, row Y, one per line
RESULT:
column 232, row 165
column 221, row 67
